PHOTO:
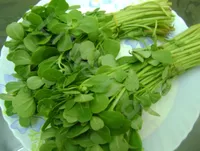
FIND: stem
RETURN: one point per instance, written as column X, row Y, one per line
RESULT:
column 117, row 100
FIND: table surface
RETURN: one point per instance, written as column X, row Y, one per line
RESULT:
column 12, row 10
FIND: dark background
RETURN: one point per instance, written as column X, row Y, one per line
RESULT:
column 189, row 10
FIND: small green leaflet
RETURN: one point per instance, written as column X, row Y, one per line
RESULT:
column 88, row 24
column 96, row 123
column 65, row 43
column 34, row 82
column 135, row 140
column 95, row 148
column 52, row 75
column 6, row 97
column 162, row 56
column 25, row 122
column 15, row 31
column 31, row 42
column 137, row 123
column 12, row 87
column 108, row 60
column 24, row 104
column 42, row 53
column 21, row 57
column 83, row 98
column 118, row 144
column 120, row 75
column 48, row 133
column 35, row 19
column 100, row 103
column 111, row 46
column 132, row 83
column 77, row 130
column 87, row 50
column 60, row 6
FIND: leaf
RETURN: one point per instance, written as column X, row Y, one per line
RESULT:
column 23, row 70
column 75, row 53
column 166, row 87
column 46, row 64
column 111, row 46
column 112, row 119
column 43, row 93
column 77, row 130
column 48, row 146
column 144, row 54
column 31, row 42
column 35, row 19
column 141, row 59
column 81, row 98
column 12, row 87
column 165, row 73
column 6, row 97
column 108, row 60
column 59, row 6
column 83, row 140
column 34, row 82
column 114, row 88
column 24, row 122
column 155, row 97
column 100, row 103
column 120, row 75
column 101, row 136
column 87, row 50
column 137, row 123
column 43, row 53
column 98, row 83
column 75, row 15
column 24, row 104
column 132, row 82
column 21, row 57
column 127, row 59
column 96, row 123
column 153, row 62
column 45, row 106
column 152, row 112
column 70, row 79
column 48, row 133
column 15, row 31
column 52, row 75
column 95, row 148
column 118, row 144
column 135, row 140
column 88, row 24
column 144, row 99
column 103, row 69
column 65, row 43
column 162, row 56
column 9, row 108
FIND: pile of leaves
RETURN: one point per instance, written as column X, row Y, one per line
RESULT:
column 67, row 72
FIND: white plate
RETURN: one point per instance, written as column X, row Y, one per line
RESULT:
column 179, row 109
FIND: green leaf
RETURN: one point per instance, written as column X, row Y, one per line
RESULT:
column 59, row 6
column 118, row 144
column 162, row 56
column 77, row 130
column 87, row 50
column 43, row 53
column 43, row 93
column 83, row 140
column 12, row 87
column 114, row 88
column 21, row 57
column 46, row 64
column 127, row 59
column 52, row 75
column 31, row 42
column 6, row 97
column 96, row 123
column 75, row 53
column 95, row 148
column 108, row 60
column 100, row 103
column 112, row 119
column 152, row 112
column 103, row 69
column 34, row 82
column 15, row 31
column 23, row 70
column 24, row 104
column 111, row 46
column 153, row 62
column 45, row 106
column 135, row 140
column 70, row 79
column 144, row 99
column 144, row 54
column 101, row 136
column 48, row 133
column 140, row 58
column 75, row 15
column 98, row 83
column 9, row 108
column 88, row 24
column 120, row 75
column 25, row 122
column 137, row 123
column 166, row 87
column 155, row 97
column 48, row 146
column 83, row 98
column 65, row 43
column 165, row 73
column 132, row 82
column 35, row 19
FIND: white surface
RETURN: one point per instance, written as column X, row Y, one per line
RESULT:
column 179, row 109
